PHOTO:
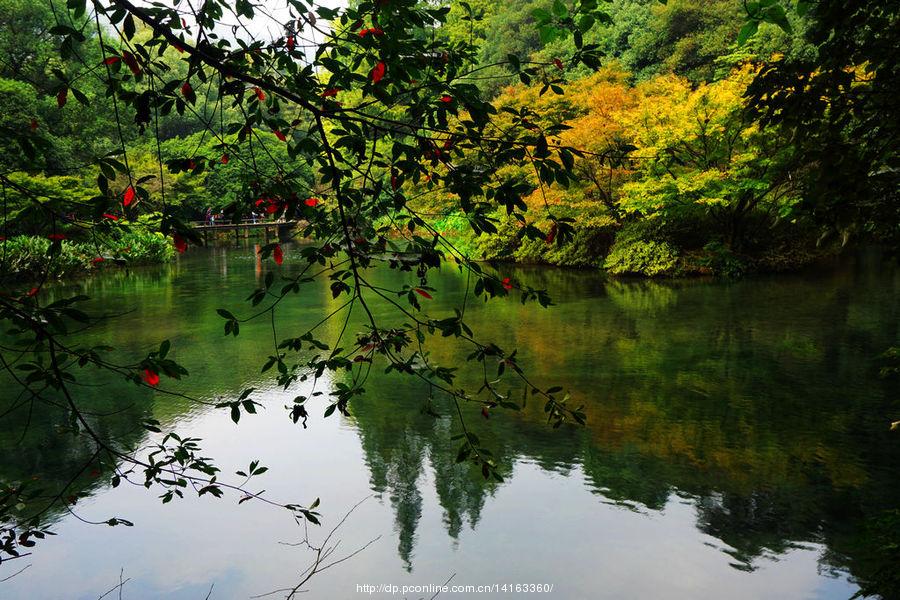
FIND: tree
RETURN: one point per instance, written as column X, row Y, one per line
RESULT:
column 840, row 105
column 699, row 154
column 371, row 105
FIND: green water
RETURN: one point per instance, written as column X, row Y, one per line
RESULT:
column 737, row 446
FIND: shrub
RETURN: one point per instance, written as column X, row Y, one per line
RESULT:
column 721, row 261
column 642, row 257
column 146, row 248
column 28, row 258
column 636, row 252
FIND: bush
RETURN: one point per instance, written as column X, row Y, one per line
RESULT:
column 27, row 257
column 146, row 248
column 592, row 240
column 642, row 257
column 635, row 252
column 721, row 261
column 456, row 229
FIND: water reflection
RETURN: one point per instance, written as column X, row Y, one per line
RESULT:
column 751, row 411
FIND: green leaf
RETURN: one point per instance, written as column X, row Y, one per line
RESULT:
column 747, row 31
column 585, row 23
column 541, row 16
column 560, row 10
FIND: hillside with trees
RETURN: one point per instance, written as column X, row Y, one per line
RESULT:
column 684, row 162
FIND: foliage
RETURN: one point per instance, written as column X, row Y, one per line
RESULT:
column 382, row 105
column 371, row 124
column 719, row 259
column 27, row 257
column 839, row 105
column 701, row 155
column 680, row 156
column 633, row 254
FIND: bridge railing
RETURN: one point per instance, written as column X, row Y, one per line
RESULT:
column 246, row 221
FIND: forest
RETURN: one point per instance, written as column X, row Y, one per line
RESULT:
column 688, row 154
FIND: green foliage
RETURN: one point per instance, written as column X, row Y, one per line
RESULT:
column 31, row 258
column 142, row 247
column 720, row 260
column 634, row 254
column 683, row 37
column 30, row 197
column 840, row 104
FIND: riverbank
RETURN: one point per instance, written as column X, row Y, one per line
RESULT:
column 32, row 258
column 645, row 248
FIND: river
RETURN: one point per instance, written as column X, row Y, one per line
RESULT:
column 737, row 445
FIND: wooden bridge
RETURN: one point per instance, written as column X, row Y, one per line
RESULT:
column 279, row 229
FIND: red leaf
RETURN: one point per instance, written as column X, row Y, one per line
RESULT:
column 61, row 97
column 260, row 202
column 186, row 89
column 150, row 377
column 395, row 182
column 34, row 124
column 56, row 236
column 33, row 291
column 423, row 293
column 180, row 243
column 111, row 216
column 97, row 260
column 378, row 72
column 260, row 94
column 280, row 135
column 191, row 165
column 278, row 255
column 179, row 49
column 132, row 63
column 507, row 285
column 484, row 412
column 224, row 159
column 112, row 60
column 290, row 43
column 128, row 198
column 445, row 99
column 272, row 208
column 312, row 201
column 559, row 64
column 551, row 235
column 330, row 92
